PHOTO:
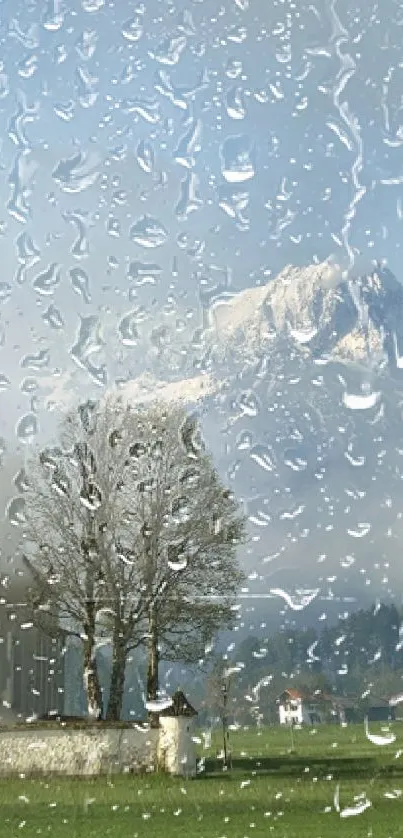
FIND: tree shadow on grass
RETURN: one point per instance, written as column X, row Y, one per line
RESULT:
column 292, row 765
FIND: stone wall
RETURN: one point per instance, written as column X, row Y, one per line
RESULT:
column 77, row 752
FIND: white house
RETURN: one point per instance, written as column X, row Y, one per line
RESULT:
column 297, row 708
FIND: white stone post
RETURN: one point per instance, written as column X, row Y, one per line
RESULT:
column 176, row 748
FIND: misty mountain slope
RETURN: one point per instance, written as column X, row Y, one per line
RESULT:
column 310, row 430
column 297, row 384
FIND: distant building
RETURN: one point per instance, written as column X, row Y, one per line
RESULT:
column 298, row 707
column 380, row 710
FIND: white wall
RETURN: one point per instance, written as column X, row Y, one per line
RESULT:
column 77, row 752
column 300, row 715
column 295, row 716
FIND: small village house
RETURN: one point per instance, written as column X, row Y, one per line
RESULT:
column 297, row 707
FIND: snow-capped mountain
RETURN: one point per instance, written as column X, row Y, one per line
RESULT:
column 353, row 320
column 297, row 386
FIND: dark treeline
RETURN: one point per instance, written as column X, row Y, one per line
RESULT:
column 361, row 654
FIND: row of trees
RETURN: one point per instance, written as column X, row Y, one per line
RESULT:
column 131, row 541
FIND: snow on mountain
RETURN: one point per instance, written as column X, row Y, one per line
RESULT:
column 298, row 302
column 314, row 311
column 352, row 320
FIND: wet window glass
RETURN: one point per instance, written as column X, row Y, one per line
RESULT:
column 201, row 448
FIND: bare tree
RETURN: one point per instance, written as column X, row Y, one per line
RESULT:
column 73, row 509
column 218, row 694
column 186, row 528
column 132, row 540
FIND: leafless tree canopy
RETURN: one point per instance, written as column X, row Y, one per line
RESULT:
column 128, row 517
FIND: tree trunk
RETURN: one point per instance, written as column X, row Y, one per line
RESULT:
column 115, row 702
column 152, row 667
column 92, row 686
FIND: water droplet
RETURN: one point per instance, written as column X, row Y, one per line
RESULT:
column 92, row 5
column 4, row 83
column 27, row 427
column 169, row 50
column 89, row 342
column 28, row 254
column 361, row 401
column 159, row 705
column 5, row 383
column 47, row 281
column 29, row 386
column 145, row 156
column 53, row 18
column 87, row 44
column 128, row 330
column 28, row 39
column 249, row 403
column 297, row 601
column 234, row 103
column 190, row 437
column 28, row 66
column 148, row 232
column 36, row 362
column 53, row 317
column 233, row 68
column 77, row 173
column 80, row 247
column 81, row 283
column 189, row 199
column 189, row 144
column 263, row 456
column 65, row 110
column 179, row 565
column 295, row 460
column 148, row 109
column 244, row 440
column 113, row 227
column 15, row 511
column 21, row 481
column 5, row 292
column 132, row 29
column 144, row 273
column 237, row 159
column 91, row 497
column 19, row 180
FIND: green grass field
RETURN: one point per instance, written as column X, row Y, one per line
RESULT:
column 269, row 791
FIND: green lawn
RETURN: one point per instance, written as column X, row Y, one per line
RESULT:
column 270, row 791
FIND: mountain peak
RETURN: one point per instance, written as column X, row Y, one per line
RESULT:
column 319, row 310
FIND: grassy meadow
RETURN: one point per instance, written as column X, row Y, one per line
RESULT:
column 317, row 788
